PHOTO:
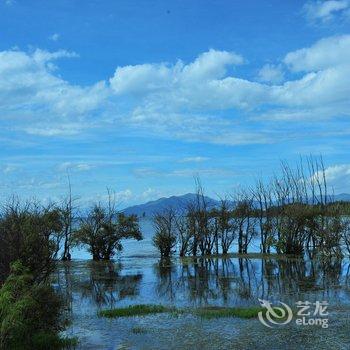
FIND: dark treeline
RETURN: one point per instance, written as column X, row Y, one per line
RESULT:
column 293, row 213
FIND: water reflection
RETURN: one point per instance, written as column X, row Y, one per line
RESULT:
column 100, row 283
column 202, row 281
column 89, row 286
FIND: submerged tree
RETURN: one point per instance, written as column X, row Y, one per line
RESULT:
column 184, row 234
column 226, row 226
column 103, row 227
column 262, row 197
column 245, row 220
column 67, row 211
column 165, row 226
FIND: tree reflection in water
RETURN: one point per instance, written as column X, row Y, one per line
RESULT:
column 235, row 281
column 202, row 281
column 101, row 283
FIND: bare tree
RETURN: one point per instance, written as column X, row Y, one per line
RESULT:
column 165, row 232
column 262, row 196
column 227, row 226
column 245, row 220
column 183, row 224
column 68, row 216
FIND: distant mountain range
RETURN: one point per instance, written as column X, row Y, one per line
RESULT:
column 179, row 202
column 344, row 197
column 157, row 206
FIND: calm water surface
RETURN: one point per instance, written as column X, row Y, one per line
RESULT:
column 138, row 277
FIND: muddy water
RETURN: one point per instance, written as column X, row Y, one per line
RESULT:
column 190, row 283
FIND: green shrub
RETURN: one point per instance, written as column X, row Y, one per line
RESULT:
column 134, row 310
column 217, row 312
column 30, row 314
column 29, row 234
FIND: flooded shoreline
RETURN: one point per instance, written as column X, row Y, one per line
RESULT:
column 89, row 287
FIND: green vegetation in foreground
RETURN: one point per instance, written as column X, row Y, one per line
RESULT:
column 217, row 312
column 204, row 312
column 30, row 314
column 134, row 310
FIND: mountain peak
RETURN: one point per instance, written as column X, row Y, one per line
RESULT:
column 176, row 202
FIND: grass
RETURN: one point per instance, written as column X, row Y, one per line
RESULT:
column 218, row 312
column 53, row 341
column 134, row 310
column 208, row 312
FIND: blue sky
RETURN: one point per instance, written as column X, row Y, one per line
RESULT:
column 140, row 96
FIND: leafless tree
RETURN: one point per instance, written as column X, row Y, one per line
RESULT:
column 165, row 236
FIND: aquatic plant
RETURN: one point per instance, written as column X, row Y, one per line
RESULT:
column 134, row 310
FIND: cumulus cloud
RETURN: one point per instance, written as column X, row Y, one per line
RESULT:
column 201, row 84
column 271, row 74
column 205, row 86
column 31, row 91
column 324, row 54
column 338, row 177
column 326, row 10
column 179, row 100
column 146, row 78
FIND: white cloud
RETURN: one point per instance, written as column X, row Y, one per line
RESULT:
column 338, row 177
column 141, row 78
column 31, row 92
column 67, row 166
column 150, row 194
column 271, row 74
column 197, row 159
column 125, row 195
column 54, row 37
column 325, row 10
column 188, row 172
column 326, row 53
column 120, row 197
column 180, row 100
column 180, row 89
column 147, row 78
column 67, row 129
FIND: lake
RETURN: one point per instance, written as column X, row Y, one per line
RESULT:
column 138, row 277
